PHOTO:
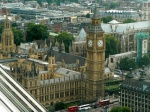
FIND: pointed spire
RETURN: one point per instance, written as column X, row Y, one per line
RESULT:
column 45, row 45
column 60, row 48
column 96, row 14
column 6, row 14
column 51, row 51
column 7, row 22
column 63, row 46
column 56, row 44
column 33, row 68
column 50, row 44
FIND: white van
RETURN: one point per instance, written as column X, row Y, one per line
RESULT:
column 85, row 107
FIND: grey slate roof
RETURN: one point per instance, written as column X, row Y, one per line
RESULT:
column 68, row 58
column 66, row 72
column 8, row 60
column 96, row 14
column 136, row 85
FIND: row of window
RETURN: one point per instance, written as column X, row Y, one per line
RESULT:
column 59, row 95
column 60, row 87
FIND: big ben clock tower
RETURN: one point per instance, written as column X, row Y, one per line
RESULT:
column 95, row 59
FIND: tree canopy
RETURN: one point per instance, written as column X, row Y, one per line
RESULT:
column 129, row 21
column 36, row 32
column 87, row 15
column 66, row 38
column 120, row 109
column 18, row 36
column 59, row 106
column 145, row 60
column 127, row 63
column 112, row 5
column 111, row 45
column 107, row 19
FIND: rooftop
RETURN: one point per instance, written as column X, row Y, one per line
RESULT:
column 38, row 61
column 66, row 72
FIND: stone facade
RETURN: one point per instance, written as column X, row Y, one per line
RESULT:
column 146, row 10
column 95, row 47
column 61, row 77
column 45, row 82
column 7, row 46
column 78, row 47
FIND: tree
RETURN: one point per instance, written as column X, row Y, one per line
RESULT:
column 111, row 46
column 145, row 60
column 111, row 5
column 87, row 15
column 107, row 19
column 14, row 24
column 114, row 5
column 127, row 63
column 66, row 38
column 120, row 109
column 129, row 21
column 59, row 106
column 49, row 1
column 36, row 32
column 18, row 36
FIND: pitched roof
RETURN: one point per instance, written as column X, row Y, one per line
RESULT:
column 114, row 22
column 82, row 35
column 68, row 58
column 96, row 14
column 136, row 85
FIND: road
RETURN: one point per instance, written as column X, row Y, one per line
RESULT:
column 99, row 109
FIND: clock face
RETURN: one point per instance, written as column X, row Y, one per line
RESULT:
column 90, row 43
column 100, row 43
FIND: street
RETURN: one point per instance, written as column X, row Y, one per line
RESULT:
column 99, row 109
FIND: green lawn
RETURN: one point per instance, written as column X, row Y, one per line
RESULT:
column 112, row 87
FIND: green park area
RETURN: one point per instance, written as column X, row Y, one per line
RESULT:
column 112, row 87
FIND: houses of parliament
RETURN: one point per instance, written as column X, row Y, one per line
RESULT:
column 54, row 76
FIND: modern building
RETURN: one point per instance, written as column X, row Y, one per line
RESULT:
column 135, row 91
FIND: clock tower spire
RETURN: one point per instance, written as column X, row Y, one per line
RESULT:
column 95, row 59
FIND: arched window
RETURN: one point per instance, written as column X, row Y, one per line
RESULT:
column 111, row 60
column 77, row 49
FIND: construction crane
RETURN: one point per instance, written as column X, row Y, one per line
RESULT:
column 140, row 36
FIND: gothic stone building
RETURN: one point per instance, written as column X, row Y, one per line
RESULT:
column 7, row 46
column 52, row 79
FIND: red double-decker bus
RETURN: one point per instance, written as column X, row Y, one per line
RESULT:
column 73, row 109
column 104, row 103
